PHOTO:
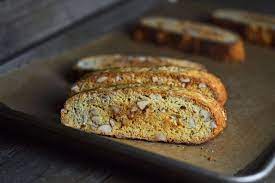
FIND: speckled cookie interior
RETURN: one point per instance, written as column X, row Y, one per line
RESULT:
column 131, row 114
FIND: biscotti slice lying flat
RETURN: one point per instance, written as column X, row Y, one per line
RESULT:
column 191, row 36
column 192, row 79
column 98, row 62
column 254, row 27
column 150, row 113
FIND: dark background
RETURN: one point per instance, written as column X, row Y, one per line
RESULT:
column 25, row 23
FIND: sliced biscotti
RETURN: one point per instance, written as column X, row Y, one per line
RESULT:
column 191, row 36
column 99, row 62
column 254, row 27
column 192, row 79
column 153, row 113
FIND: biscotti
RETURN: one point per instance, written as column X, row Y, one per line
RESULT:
column 191, row 79
column 153, row 113
column 98, row 62
column 192, row 37
column 254, row 27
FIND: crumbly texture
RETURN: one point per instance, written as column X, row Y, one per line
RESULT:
column 194, row 80
column 254, row 27
column 99, row 62
column 191, row 37
column 153, row 113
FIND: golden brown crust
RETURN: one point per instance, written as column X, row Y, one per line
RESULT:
column 173, row 76
column 99, row 62
column 216, row 110
column 203, row 42
column 253, row 27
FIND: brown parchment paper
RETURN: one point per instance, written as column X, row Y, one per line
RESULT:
column 40, row 89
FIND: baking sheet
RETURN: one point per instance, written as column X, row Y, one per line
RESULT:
column 40, row 88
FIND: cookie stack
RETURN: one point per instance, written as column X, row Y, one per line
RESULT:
column 148, row 98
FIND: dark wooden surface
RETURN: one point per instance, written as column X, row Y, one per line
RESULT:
column 23, row 159
column 26, row 160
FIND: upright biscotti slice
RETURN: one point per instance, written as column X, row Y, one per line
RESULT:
column 192, row 79
column 254, row 27
column 153, row 113
column 99, row 62
column 191, row 36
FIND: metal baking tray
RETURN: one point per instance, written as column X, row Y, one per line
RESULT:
column 35, row 86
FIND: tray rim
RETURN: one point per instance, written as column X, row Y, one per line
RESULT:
column 263, row 171
column 24, row 120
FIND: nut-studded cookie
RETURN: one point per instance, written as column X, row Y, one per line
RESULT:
column 192, row 37
column 191, row 79
column 152, row 113
column 254, row 27
column 98, row 62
